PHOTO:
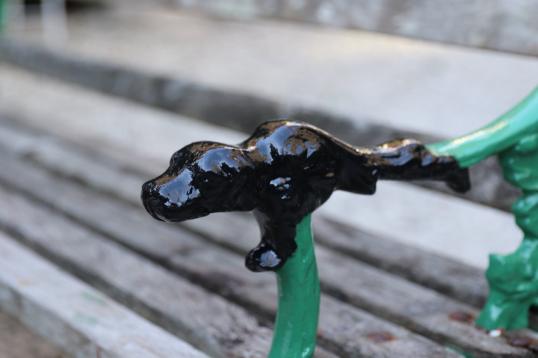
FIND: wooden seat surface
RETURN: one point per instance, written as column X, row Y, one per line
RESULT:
column 72, row 162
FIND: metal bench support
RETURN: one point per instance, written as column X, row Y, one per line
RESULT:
column 298, row 299
column 513, row 278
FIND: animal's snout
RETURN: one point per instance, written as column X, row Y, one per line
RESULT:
column 173, row 199
column 151, row 198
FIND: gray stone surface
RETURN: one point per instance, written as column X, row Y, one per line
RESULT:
column 506, row 25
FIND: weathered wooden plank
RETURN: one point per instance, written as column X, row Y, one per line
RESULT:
column 446, row 275
column 234, row 110
column 219, row 328
column 364, row 286
column 421, row 309
column 74, row 316
column 204, row 319
column 17, row 341
column 343, row 328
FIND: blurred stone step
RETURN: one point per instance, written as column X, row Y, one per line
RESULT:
column 343, row 328
column 503, row 25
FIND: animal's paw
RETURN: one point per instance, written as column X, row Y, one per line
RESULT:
column 263, row 258
column 459, row 180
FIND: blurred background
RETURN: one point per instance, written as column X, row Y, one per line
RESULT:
column 128, row 82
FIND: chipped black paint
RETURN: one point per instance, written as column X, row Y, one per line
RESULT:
column 282, row 172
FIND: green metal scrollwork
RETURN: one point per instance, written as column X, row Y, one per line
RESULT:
column 513, row 278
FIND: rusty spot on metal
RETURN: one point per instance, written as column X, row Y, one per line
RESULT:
column 461, row 316
column 379, row 337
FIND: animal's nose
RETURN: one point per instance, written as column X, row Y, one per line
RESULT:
column 150, row 197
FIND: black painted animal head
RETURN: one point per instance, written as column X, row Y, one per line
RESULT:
column 203, row 177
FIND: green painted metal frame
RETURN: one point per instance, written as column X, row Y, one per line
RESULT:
column 513, row 278
column 298, row 299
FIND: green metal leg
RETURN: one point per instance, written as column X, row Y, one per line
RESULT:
column 513, row 278
column 513, row 282
column 298, row 305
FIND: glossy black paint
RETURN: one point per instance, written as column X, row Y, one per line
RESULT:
column 282, row 172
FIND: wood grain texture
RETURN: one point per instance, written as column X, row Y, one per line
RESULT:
column 418, row 308
column 207, row 321
column 443, row 274
column 343, row 328
column 73, row 315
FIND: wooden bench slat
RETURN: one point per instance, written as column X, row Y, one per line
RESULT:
column 443, row 274
column 204, row 319
column 343, row 327
column 73, row 315
column 421, row 309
